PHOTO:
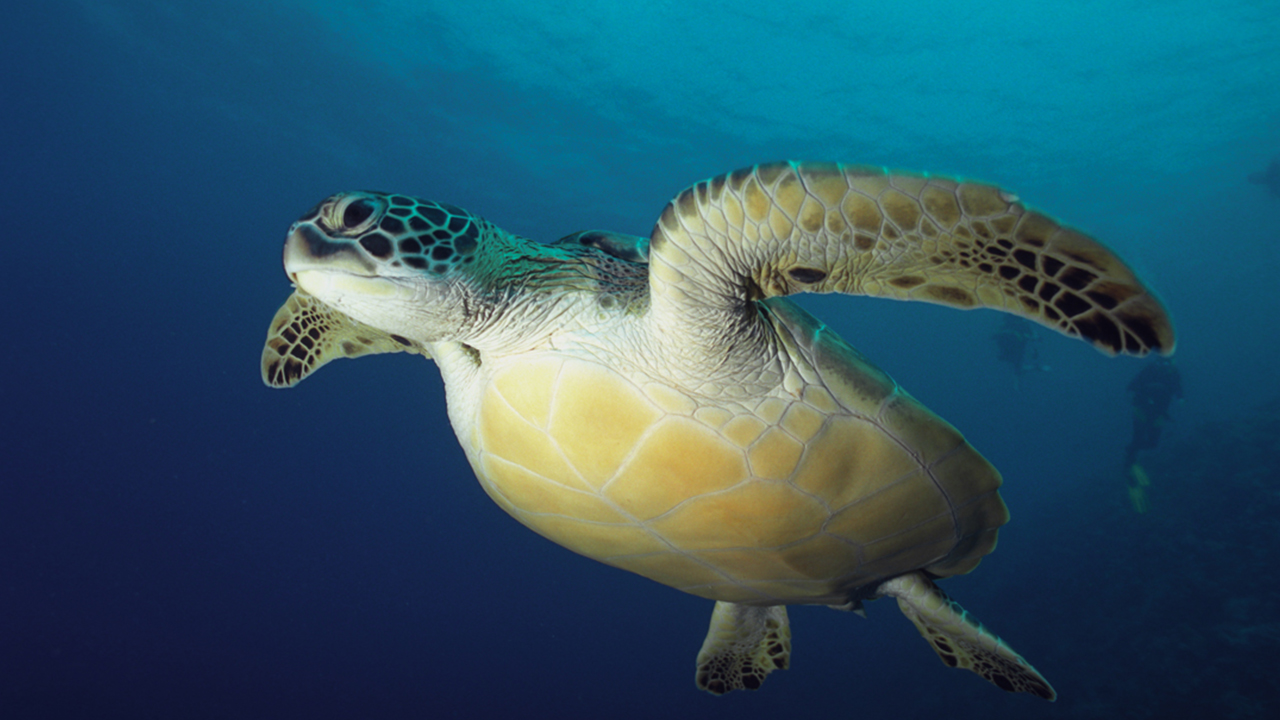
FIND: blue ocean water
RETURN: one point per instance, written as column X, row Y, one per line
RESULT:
column 177, row 540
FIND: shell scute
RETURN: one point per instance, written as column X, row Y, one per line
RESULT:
column 505, row 434
column 755, row 514
column 530, row 492
column 850, row 461
column 929, row 436
column 885, row 512
column 802, row 421
column 594, row 436
column 679, row 459
column 595, row 540
column 678, row 569
column 743, row 430
column 775, row 455
column 822, row 557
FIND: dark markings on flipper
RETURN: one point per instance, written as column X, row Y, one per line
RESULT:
column 950, row 296
column 960, row 640
column 1071, row 305
column 1075, row 278
column 807, row 276
column 743, row 645
column 305, row 334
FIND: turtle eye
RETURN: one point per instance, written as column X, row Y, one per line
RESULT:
column 356, row 214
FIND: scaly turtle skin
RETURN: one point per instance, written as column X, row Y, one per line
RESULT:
column 658, row 405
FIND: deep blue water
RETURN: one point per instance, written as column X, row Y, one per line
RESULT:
column 177, row 540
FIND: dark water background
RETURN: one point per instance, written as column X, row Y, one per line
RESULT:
column 176, row 540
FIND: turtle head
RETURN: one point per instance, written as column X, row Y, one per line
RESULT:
column 396, row 263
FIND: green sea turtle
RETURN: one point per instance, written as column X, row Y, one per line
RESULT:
column 659, row 405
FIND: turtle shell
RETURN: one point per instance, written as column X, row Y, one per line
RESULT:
column 809, row 494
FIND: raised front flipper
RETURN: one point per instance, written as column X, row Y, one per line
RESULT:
column 306, row 333
column 960, row 640
column 783, row 228
column 744, row 644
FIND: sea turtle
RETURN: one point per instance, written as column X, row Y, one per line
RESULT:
column 658, row 404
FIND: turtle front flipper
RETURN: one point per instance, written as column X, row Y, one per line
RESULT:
column 744, row 644
column 960, row 640
column 306, row 333
column 783, row 228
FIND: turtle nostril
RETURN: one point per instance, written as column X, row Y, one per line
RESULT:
column 356, row 213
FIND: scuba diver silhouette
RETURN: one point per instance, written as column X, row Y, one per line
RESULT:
column 1154, row 389
column 1269, row 177
column 1014, row 346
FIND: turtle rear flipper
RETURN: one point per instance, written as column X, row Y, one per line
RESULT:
column 962, row 641
column 744, row 644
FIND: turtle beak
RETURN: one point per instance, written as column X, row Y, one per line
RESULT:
column 331, row 270
column 307, row 249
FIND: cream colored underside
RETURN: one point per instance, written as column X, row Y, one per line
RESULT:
column 791, row 500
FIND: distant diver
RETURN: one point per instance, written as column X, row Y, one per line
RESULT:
column 1270, row 177
column 1014, row 345
column 1154, row 389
